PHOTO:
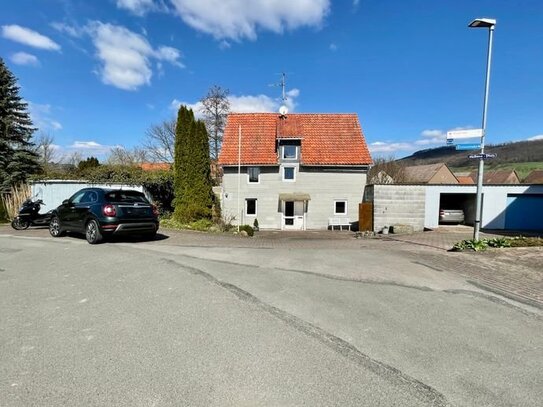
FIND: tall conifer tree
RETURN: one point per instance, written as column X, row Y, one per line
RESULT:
column 192, row 173
column 18, row 158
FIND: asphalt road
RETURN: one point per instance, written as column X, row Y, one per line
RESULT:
column 152, row 324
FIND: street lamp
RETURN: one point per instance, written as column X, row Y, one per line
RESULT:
column 490, row 24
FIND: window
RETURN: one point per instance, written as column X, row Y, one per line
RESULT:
column 290, row 152
column 254, row 175
column 289, row 174
column 340, row 207
column 250, row 207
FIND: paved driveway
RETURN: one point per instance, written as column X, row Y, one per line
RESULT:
column 327, row 320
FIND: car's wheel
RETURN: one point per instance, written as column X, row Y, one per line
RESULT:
column 19, row 224
column 55, row 229
column 92, row 232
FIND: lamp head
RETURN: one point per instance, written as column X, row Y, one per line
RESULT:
column 482, row 23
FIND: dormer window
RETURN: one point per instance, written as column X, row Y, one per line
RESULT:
column 290, row 152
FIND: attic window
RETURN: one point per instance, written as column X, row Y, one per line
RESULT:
column 290, row 152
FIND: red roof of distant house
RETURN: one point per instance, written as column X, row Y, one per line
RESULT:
column 155, row 166
column 465, row 180
column 326, row 139
column 497, row 177
column 535, row 177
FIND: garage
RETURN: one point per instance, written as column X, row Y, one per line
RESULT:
column 523, row 212
column 463, row 201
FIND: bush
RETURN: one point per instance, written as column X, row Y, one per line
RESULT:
column 497, row 242
column 13, row 200
column 247, row 228
column 3, row 212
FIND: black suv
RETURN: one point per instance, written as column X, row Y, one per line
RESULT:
column 99, row 213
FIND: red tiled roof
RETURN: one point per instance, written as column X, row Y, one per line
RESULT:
column 465, row 180
column 155, row 166
column 327, row 139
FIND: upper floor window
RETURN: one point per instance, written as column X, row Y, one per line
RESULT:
column 290, row 152
column 254, row 175
column 289, row 173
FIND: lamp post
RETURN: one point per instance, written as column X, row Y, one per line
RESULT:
column 490, row 24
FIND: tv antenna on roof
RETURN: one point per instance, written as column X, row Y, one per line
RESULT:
column 283, row 84
column 283, row 110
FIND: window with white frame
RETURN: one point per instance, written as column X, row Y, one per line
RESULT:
column 340, row 207
column 290, row 152
column 250, row 207
column 253, row 175
column 289, row 174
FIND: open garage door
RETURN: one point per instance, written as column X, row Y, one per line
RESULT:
column 465, row 202
column 524, row 212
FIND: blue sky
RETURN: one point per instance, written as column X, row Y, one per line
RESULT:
column 98, row 73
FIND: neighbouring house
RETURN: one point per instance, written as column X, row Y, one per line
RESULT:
column 535, row 177
column 429, row 174
column 464, row 178
column 155, row 166
column 293, row 172
column 498, row 177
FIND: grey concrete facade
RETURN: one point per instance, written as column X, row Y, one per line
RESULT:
column 324, row 185
column 397, row 205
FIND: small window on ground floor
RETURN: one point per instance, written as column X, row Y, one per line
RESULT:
column 340, row 207
column 250, row 207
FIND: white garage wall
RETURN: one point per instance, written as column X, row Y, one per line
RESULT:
column 53, row 192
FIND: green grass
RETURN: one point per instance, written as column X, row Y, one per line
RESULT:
column 522, row 169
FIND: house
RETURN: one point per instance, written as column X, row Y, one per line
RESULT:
column 155, row 166
column 498, row 177
column 429, row 174
column 535, row 177
column 293, row 172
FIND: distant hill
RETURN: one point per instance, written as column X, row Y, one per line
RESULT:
column 522, row 156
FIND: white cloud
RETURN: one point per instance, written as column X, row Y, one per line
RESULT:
column 138, row 7
column 22, row 58
column 538, row 137
column 389, row 147
column 126, row 55
column 432, row 133
column 41, row 115
column 247, row 103
column 72, row 31
column 29, row 37
column 239, row 19
column 333, row 47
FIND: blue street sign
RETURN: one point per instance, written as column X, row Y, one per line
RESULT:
column 464, row 147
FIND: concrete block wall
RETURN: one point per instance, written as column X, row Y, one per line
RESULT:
column 398, row 204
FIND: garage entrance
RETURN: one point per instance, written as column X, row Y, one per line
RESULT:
column 523, row 212
column 466, row 202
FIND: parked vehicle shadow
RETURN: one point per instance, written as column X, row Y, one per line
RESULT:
column 123, row 239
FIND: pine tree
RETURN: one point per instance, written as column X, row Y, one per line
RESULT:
column 18, row 158
column 192, row 172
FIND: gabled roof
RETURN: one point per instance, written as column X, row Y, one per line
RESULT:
column 497, row 177
column 535, row 177
column 326, row 139
column 423, row 174
column 464, row 179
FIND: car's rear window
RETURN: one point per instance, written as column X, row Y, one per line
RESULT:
column 126, row 197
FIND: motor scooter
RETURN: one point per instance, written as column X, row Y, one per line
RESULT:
column 29, row 215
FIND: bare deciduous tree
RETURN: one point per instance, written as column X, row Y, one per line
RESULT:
column 46, row 149
column 159, row 141
column 121, row 156
column 215, row 109
column 386, row 170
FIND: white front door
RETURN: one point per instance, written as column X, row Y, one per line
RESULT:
column 293, row 215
